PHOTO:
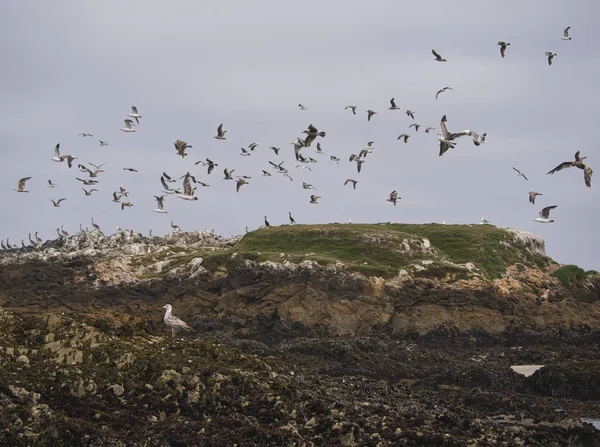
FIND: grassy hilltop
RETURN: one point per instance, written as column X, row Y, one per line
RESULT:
column 381, row 249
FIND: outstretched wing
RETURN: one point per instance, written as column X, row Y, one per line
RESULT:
column 436, row 54
column 560, row 167
column 587, row 176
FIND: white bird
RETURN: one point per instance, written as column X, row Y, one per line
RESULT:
column 172, row 321
column 57, row 156
column 483, row 221
column 566, row 34
column 128, row 126
column 159, row 204
column 520, row 174
column 135, row 114
column 21, row 184
column 545, row 215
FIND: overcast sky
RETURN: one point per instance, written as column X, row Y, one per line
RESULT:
column 71, row 67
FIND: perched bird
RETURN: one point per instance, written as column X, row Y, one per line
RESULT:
column 410, row 113
column 403, row 135
column 220, row 132
column 438, row 57
column 442, row 91
column 292, row 221
column 520, row 174
column 240, row 183
column 578, row 163
column 354, row 182
column 533, row 195
column 159, row 204
column 267, row 224
column 21, row 184
column 174, row 322
column 416, row 126
column 51, row 185
column 503, row 46
column 57, row 203
column 393, row 105
column 545, row 215
column 550, row 56
column 353, row 108
column 134, row 114
column 302, row 107
column 128, row 126
column 566, row 34
column 314, row 199
column 370, row 113
column 175, row 226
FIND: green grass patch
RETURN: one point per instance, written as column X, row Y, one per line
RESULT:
column 571, row 275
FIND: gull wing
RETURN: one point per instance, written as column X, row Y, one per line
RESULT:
column 57, row 150
column 545, row 213
column 560, row 167
column 566, row 31
column 436, row 54
column 587, row 176
column 134, row 109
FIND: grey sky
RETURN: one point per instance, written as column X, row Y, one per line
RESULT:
column 71, row 67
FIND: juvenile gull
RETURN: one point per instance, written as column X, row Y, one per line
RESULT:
column 550, row 56
column 578, row 163
column 503, row 46
column 438, row 57
column 533, row 195
column 172, row 321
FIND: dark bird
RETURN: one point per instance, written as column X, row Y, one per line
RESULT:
column 438, row 57
column 393, row 105
column 416, row 126
column 292, row 221
column 370, row 113
column 442, row 91
column 550, row 56
column 533, row 195
column 578, row 163
column 353, row 108
column 354, row 182
column 267, row 224
column 403, row 135
column 220, row 132
column 503, row 46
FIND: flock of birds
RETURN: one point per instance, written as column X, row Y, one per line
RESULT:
column 447, row 140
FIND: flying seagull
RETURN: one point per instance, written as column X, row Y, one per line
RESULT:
column 313, row 199
column 128, row 126
column 89, row 193
column 159, row 204
column 438, row 57
column 359, row 161
column 312, row 133
column 180, row 147
column 134, row 114
column 545, row 215
column 393, row 105
column 334, row 158
column 302, row 107
column 578, row 163
column 57, row 158
column 102, row 143
column 403, row 135
column 86, row 134
column 125, row 204
column 354, row 182
column 173, row 322
column 228, row 174
column 566, row 34
column 275, row 149
column 550, row 56
column 220, row 132
column 416, row 126
column 410, row 113
column 370, row 113
column 533, row 195
column 188, row 192
column 130, row 169
column 353, row 108
column 21, row 184
column 51, row 185
column 503, row 46
column 442, row 91
column 429, row 129
column 520, row 174
column 211, row 165
column 57, row 203
column 240, row 183
column 244, row 152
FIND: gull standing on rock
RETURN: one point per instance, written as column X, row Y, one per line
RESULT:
column 172, row 321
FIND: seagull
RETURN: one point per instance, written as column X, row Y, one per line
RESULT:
column 359, row 161
column 266, row 173
column 416, row 126
column 245, row 152
column 520, row 174
column 228, row 174
column 483, row 221
column 130, row 169
column 134, row 114
column 211, row 165
column 403, row 135
column 292, row 221
column 429, row 129
column 116, row 197
column 87, row 182
column 298, row 145
column 57, row 156
column 51, row 185
column 308, row 186
column 88, row 193
column 503, row 46
column 98, row 166
column 128, row 126
column 478, row 139
column 545, row 215
column 354, row 182
column 442, row 91
column 313, row 199
column 438, row 57
column 252, row 146
column 240, row 183
column 393, row 197
column 102, row 143
column 319, row 150
column 550, row 55
column 364, row 152
column 188, row 192
column 353, row 108
column 393, row 105
column 578, row 163
column 275, row 149
column 267, row 224
column 370, row 113
column 159, row 204
column 410, row 113
column 220, row 132
column 304, row 167
column 446, row 138
column 85, row 134
column 533, row 195
column 174, row 322
column 175, row 226
column 566, row 34
column 69, row 159
column 302, row 107
column 334, row 158
column 57, row 203
column 180, row 147
column 21, row 184
column 312, row 133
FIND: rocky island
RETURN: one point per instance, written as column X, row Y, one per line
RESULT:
column 305, row 335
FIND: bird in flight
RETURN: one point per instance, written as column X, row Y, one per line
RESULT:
column 550, row 56
column 503, row 46
column 353, row 108
column 134, row 114
column 520, row 174
column 442, row 91
column 578, row 163
column 545, row 215
column 57, row 202
column 370, row 113
column 438, row 57
column 393, row 105
column 533, row 195
column 566, row 34
column 220, row 132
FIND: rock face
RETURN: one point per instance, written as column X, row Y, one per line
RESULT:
column 404, row 337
